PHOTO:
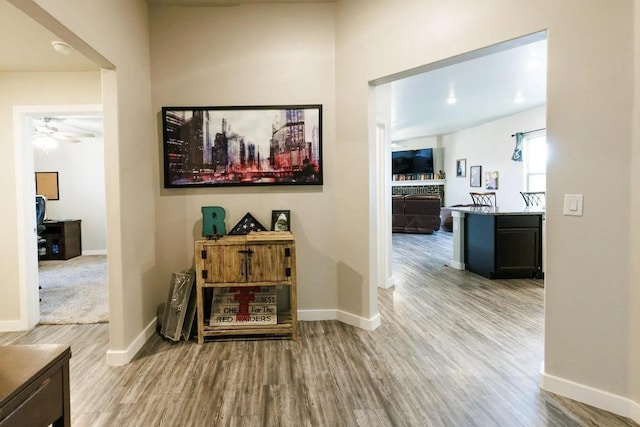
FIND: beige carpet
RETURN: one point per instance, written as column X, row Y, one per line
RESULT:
column 74, row 291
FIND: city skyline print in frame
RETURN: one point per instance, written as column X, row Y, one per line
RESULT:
column 242, row 146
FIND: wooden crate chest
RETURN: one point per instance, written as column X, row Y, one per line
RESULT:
column 225, row 266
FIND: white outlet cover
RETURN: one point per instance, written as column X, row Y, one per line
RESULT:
column 573, row 204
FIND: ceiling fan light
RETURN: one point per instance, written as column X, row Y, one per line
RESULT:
column 61, row 47
column 39, row 141
column 50, row 143
column 45, row 142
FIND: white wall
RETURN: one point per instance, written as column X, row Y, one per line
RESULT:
column 80, row 168
column 490, row 145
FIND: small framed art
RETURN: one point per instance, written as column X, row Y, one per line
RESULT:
column 475, row 176
column 280, row 220
column 47, row 185
column 492, row 180
column 461, row 167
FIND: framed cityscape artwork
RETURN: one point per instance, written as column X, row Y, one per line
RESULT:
column 242, row 146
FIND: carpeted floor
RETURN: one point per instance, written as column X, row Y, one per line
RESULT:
column 74, row 291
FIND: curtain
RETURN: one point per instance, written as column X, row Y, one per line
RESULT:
column 517, row 151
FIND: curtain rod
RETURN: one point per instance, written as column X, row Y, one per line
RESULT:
column 531, row 131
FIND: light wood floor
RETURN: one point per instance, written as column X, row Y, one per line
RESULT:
column 454, row 349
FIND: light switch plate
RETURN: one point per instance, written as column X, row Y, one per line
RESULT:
column 573, row 204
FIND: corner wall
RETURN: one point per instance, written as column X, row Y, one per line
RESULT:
column 590, row 86
column 27, row 89
column 634, row 249
column 118, row 30
column 272, row 54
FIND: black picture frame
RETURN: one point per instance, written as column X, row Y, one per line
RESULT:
column 475, row 176
column 47, row 185
column 461, row 168
column 281, row 220
column 242, row 146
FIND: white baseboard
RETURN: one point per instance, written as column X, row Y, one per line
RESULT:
column 315, row 315
column 95, row 252
column 591, row 396
column 389, row 283
column 122, row 357
column 343, row 316
column 359, row 322
column 13, row 325
column 457, row 265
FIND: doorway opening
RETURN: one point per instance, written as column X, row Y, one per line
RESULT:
column 74, row 156
column 465, row 110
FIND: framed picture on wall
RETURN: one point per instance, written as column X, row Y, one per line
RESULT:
column 242, row 146
column 475, row 176
column 47, row 185
column 461, row 167
column 492, row 180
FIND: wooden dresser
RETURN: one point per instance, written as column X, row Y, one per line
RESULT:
column 34, row 385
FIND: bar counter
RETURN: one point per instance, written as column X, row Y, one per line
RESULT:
column 498, row 243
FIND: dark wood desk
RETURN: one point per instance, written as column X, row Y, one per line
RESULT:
column 34, row 385
column 63, row 239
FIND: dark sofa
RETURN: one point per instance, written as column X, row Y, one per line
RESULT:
column 415, row 214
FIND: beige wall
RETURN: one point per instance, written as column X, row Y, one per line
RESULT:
column 634, row 248
column 22, row 89
column 118, row 30
column 589, row 287
column 250, row 55
column 590, row 84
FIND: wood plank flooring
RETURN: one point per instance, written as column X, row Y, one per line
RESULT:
column 454, row 349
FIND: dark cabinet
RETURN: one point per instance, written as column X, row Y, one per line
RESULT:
column 63, row 239
column 504, row 246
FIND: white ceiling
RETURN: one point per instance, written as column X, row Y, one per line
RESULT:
column 26, row 46
column 485, row 86
column 485, row 89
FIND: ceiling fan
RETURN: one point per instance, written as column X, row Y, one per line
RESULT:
column 61, row 129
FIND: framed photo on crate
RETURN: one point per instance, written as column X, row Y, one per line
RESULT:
column 281, row 220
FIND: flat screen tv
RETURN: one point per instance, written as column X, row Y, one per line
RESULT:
column 412, row 162
column 242, row 146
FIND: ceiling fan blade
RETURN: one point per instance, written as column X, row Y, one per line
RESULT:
column 76, row 134
column 45, row 129
column 62, row 137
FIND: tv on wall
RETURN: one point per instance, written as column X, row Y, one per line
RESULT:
column 412, row 162
column 242, row 146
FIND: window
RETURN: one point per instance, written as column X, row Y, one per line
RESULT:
column 535, row 161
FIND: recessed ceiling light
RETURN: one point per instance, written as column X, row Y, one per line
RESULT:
column 61, row 47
